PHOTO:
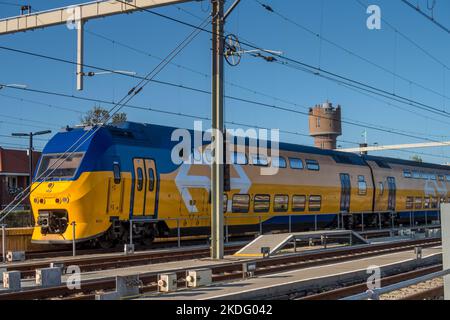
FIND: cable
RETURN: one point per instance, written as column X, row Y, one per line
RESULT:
column 253, row 91
column 313, row 69
column 417, row 9
column 270, row 9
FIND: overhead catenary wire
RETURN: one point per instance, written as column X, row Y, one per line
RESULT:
column 317, row 71
column 271, row 10
column 430, row 18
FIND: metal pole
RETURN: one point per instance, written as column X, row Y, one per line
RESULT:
column 4, row 242
column 362, row 222
column 410, row 219
column 30, row 159
column 178, row 233
column 80, row 52
column 426, row 218
column 131, row 232
column 379, row 220
column 260, row 226
column 315, row 222
column 73, row 239
column 217, row 126
column 290, row 223
column 226, row 230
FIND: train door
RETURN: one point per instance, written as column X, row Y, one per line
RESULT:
column 345, row 192
column 151, row 187
column 392, row 193
column 140, row 179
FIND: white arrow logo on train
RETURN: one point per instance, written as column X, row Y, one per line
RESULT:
column 184, row 181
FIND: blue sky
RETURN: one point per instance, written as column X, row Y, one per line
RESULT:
column 343, row 22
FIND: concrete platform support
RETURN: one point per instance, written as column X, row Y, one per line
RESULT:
column 126, row 286
column 13, row 256
column 198, row 278
column 445, row 230
column 48, row 277
column 11, row 280
column 167, row 282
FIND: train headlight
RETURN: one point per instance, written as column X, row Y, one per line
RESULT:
column 36, row 200
column 42, row 201
column 65, row 200
column 57, row 200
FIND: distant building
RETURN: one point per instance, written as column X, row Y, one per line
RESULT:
column 14, row 176
column 325, row 125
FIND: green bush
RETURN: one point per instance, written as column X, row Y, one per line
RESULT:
column 19, row 219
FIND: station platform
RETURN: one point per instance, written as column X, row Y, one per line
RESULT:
column 281, row 284
column 276, row 242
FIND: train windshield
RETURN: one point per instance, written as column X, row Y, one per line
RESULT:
column 59, row 166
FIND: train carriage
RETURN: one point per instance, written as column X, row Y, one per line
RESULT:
column 96, row 179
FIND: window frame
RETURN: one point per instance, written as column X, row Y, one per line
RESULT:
column 259, row 157
column 362, row 191
column 266, row 209
column 296, row 208
column 409, row 204
column 235, row 158
column 298, row 160
column 416, row 203
column 139, row 179
column 280, row 160
column 309, row 162
column 286, row 203
column 233, row 203
column 310, row 209
column 151, row 179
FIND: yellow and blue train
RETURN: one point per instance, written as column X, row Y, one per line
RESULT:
column 125, row 171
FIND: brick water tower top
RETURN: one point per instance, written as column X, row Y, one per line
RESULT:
column 325, row 125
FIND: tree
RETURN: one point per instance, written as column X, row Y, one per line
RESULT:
column 99, row 115
column 416, row 158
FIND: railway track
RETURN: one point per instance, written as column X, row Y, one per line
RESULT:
column 223, row 272
column 350, row 290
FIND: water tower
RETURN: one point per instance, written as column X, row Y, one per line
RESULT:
column 325, row 125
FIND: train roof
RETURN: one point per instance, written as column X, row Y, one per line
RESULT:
column 158, row 135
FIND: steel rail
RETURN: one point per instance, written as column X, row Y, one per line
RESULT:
column 232, row 270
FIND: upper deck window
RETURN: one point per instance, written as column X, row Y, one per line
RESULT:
column 63, row 166
column 259, row 160
column 296, row 163
column 312, row 165
column 278, row 162
column 407, row 174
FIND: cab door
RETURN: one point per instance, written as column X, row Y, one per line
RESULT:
column 140, row 179
column 151, row 187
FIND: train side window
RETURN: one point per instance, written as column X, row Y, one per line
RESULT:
column 440, row 178
column 116, row 171
column 362, row 186
column 418, row 202
column 447, row 177
column 240, row 203
column 259, row 160
column 426, row 203
column 298, row 203
column 381, row 187
column 409, row 202
column 280, row 203
column 140, row 179
column 261, row 203
column 434, row 202
column 279, row 162
column 315, row 202
column 433, row 176
column 407, row 174
column 295, row 163
column 239, row 158
column 416, row 175
column 312, row 165
column 151, row 181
